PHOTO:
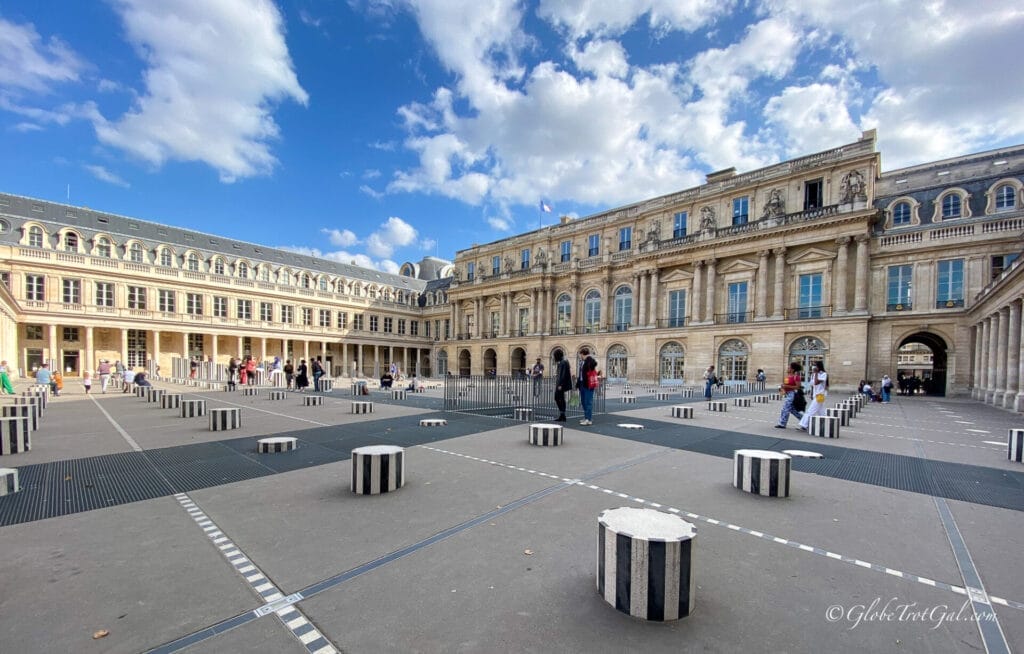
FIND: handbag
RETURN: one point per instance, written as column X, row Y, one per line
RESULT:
column 592, row 380
column 820, row 398
column 574, row 399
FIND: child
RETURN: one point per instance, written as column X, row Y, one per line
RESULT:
column 58, row 383
column 87, row 381
column 129, row 379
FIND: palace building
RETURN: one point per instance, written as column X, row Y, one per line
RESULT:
column 824, row 257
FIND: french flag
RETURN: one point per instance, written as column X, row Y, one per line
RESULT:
column 545, row 207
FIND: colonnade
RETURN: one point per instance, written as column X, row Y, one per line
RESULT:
column 998, row 361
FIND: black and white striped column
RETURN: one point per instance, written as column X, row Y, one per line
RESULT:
column 687, row 392
column 628, row 399
column 15, row 436
column 27, row 411
column 762, row 472
column 662, row 395
column 377, row 469
column 842, row 414
column 155, row 394
column 545, row 434
column 276, row 395
column 9, row 481
column 645, row 563
column 823, row 426
column 717, row 405
column 171, row 401
column 761, row 399
column 357, row 389
column 523, row 413
column 397, row 394
column 250, row 391
column 362, row 407
column 326, row 385
column 433, row 422
column 1015, row 447
column 851, row 406
column 682, row 412
column 313, row 400
column 41, row 396
column 741, row 402
column 140, row 391
column 276, row 444
column 225, row 418
column 193, row 408
column 774, row 396
column 34, row 402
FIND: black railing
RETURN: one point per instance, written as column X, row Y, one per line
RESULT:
column 899, row 306
column 734, row 317
column 500, row 396
column 563, row 331
column 619, row 326
column 949, row 304
column 808, row 313
column 671, row 322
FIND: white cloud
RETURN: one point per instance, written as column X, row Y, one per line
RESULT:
column 428, row 244
column 104, row 175
column 370, row 191
column 30, row 64
column 603, row 58
column 341, row 256
column 214, row 70
column 340, row 237
column 500, row 224
column 393, row 233
column 371, row 173
column 601, row 17
column 27, row 127
column 812, row 118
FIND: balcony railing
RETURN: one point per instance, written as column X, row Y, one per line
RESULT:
column 949, row 304
column 808, row 313
column 619, row 326
column 671, row 322
column 734, row 317
column 899, row 306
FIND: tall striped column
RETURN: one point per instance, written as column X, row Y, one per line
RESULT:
column 1015, row 449
column 27, row 411
column 15, row 435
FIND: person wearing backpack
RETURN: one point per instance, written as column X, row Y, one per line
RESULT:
column 563, row 383
column 318, row 372
column 790, row 387
column 587, row 381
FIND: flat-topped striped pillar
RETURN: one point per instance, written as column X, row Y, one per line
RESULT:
column 803, row 454
column 42, row 396
column 9, row 481
column 15, row 436
column 842, row 414
column 27, row 411
column 859, row 399
column 377, row 469
column 823, row 426
column 762, row 472
column 276, row 395
column 223, row 419
column 276, row 444
column 250, row 391
column 645, row 563
column 627, row 391
column 547, row 435
column 682, row 412
column 851, row 406
column 171, row 401
column 433, row 422
column 628, row 399
column 523, row 413
column 397, row 394
column 741, row 401
column 663, row 395
column 155, row 394
column 326, row 385
column 362, row 407
column 1015, row 445
column 774, row 396
column 687, row 392
column 34, row 402
column 313, row 400
column 357, row 389
column 193, row 408
column 140, row 391
column 717, row 405
column 761, row 399
column 420, row 389
column 630, row 425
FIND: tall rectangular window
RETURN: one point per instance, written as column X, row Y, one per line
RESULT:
column 495, row 322
column 524, row 258
column 165, row 301
column 740, row 210
column 426, row 328
column 524, row 320
column 593, row 245
column 342, row 320
column 357, row 322
column 496, row 265
column 104, row 294
column 388, row 323
column 325, row 318
column 676, row 308
column 71, row 334
column 414, row 327
column 72, row 291
column 136, row 348
column 566, row 251
column 220, row 307
column 287, row 314
column 244, row 309
column 137, row 297
column 679, row 224
column 373, row 323
column 899, row 284
column 195, row 345
column 470, row 271
column 809, row 301
column 307, row 316
column 813, row 194
column 737, row 310
column 1001, row 262
column 266, row 312
column 34, row 288
column 950, row 290
column 401, row 325
column 194, row 304
column 625, row 238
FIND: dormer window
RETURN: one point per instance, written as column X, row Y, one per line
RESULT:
column 901, row 214
column 103, row 247
column 951, row 206
column 35, row 237
column 165, row 257
column 193, row 262
column 218, row 266
column 243, row 270
column 135, row 253
column 1006, row 198
column 71, row 242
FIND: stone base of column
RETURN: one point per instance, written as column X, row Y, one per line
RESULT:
column 989, row 397
column 1008, row 400
column 997, row 398
column 1018, row 402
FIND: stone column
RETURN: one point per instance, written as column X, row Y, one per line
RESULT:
column 213, row 349
column 239, row 352
column 993, row 355
column 780, row 271
column 860, row 293
column 709, row 292
column 761, row 303
column 977, row 366
column 606, row 304
column 1013, row 357
column 652, row 307
column 1002, row 356
column 263, row 348
column 90, row 360
column 839, row 281
column 156, row 353
column 124, row 348
column 345, row 370
column 376, row 361
column 54, row 353
column 504, row 314
column 542, row 312
column 697, row 301
column 641, row 306
column 983, row 377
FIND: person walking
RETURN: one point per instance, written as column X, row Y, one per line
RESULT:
column 709, row 381
column 761, row 378
column 232, row 371
column 5, row 379
column 819, row 393
column 103, row 370
column 250, row 371
column 536, row 374
column 128, row 377
column 886, row 388
column 87, row 381
column 563, row 383
column 318, row 372
column 587, row 382
column 789, row 387
column 289, row 374
column 302, row 377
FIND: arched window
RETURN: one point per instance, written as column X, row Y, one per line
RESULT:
column 623, row 308
column 265, row 274
column 1006, row 198
column 805, row 351
column 951, row 206
column 618, row 363
column 284, row 278
column 901, row 214
column 243, row 270
column 165, row 257
column 135, row 253
column 323, row 284
column 592, row 311
column 70, row 242
column 672, row 360
column 563, row 314
column 193, row 262
column 306, row 282
column 35, row 236
column 387, row 295
column 442, row 363
column 372, row 293
column 103, row 247
column 732, row 360
column 218, row 266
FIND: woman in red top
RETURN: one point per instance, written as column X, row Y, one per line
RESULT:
column 789, row 387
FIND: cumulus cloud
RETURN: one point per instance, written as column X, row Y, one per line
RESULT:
column 500, row 224
column 600, row 17
column 393, row 233
column 342, row 256
column 214, row 71
column 812, row 118
column 104, row 175
column 28, row 63
column 340, row 237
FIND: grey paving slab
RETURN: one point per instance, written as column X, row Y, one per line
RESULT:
column 71, row 427
column 264, row 636
column 994, row 537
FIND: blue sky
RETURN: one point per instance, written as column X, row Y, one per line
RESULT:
column 378, row 131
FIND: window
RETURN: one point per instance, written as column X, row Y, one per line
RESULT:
column 950, row 290
column 307, row 316
column 218, row 266
column 35, row 237
column 1001, row 262
column 401, row 325
column 951, row 206
column 732, row 360
column 72, row 291
column 165, row 257
column 325, row 317
column 194, row 304
column 135, row 253
column 566, row 251
column 524, row 259
column 740, row 210
column 266, row 312
column 220, row 307
column 137, row 297
column 592, row 310
column 373, row 323
column 195, row 345
column 35, row 288
column 388, row 324
column 136, row 348
column 593, row 245
column 901, row 214
column 103, row 247
column 104, row 294
column 676, row 308
column 447, row 328
column 34, row 332
column 563, row 314
column 737, row 310
column 470, row 271
column 813, row 194
column 357, row 322
column 625, row 238
column 1006, row 198
column 899, row 287
column 323, row 284
column 679, row 224
column 426, row 328
column 265, row 274
column 809, row 300
column 495, row 322
column 71, row 334
column 287, row 313
column 524, row 321
column 243, row 309
column 673, row 362
column 243, row 270
column 623, row 308
column 5, row 279
column 496, row 265
column 71, row 242
column 307, row 282
column 193, row 262
column 342, row 320
column 414, row 327
column 165, row 301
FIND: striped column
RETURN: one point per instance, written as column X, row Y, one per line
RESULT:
column 140, row 391
column 682, row 412
column 741, row 402
column 193, row 408
column 717, row 405
column 171, row 401
column 15, row 436
column 1015, row 448
column 27, row 411
column 687, row 392
column 433, row 422
column 824, row 426
column 397, row 394
column 276, row 444
column 154, row 394
column 41, row 396
column 357, row 389
column 762, row 399
column 645, row 563
column 762, row 472
column 628, row 399
column 9, row 481
column 545, row 434
column 326, row 385
column 662, row 395
column 523, row 413
column 849, row 405
column 362, row 407
column 226, row 418
column 250, row 391
column 277, row 395
column 842, row 414
column 377, row 469
column 313, row 400
column 34, row 402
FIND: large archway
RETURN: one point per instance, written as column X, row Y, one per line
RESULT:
column 517, row 362
column 672, row 363
column 490, row 362
column 912, row 364
column 465, row 361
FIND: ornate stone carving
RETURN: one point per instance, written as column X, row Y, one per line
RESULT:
column 707, row 218
column 654, row 233
column 852, row 188
column 774, row 204
column 508, row 264
column 542, row 256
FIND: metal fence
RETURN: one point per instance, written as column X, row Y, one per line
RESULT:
column 501, row 396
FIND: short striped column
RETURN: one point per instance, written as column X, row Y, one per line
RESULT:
column 687, row 392
column 420, row 389
column 628, row 399
column 433, row 422
column 39, row 395
column 15, row 436
column 761, row 399
column 545, row 434
column 859, row 399
column 682, row 412
column 627, row 391
column 762, row 472
column 313, row 400
column 397, row 394
column 852, row 406
column 377, row 469
column 171, row 401
column 717, row 405
column 774, row 397
column 193, row 408
column 34, row 402
column 9, row 481
column 276, row 444
column 824, row 426
column 803, row 454
column 27, row 411
column 842, row 414
column 645, row 563
column 250, row 391
column 1015, row 447
column 362, row 407
column 523, row 413
column 140, row 391
column 276, row 395
column 326, row 385
column 357, row 389
column 155, row 394
column 662, row 395
column 741, row 401
column 225, row 418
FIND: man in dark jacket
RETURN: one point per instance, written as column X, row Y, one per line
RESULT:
column 563, row 383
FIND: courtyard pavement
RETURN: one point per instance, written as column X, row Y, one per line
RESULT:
column 169, row 537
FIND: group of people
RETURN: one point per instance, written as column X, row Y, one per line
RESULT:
column 795, row 402
column 885, row 388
